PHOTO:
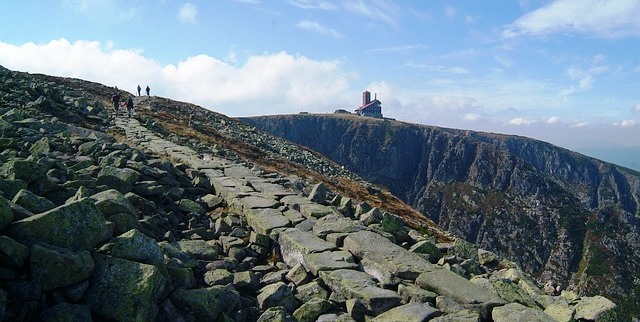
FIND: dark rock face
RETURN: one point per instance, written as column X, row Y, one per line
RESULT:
column 557, row 213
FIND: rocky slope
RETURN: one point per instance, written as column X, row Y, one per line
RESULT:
column 570, row 220
column 181, row 214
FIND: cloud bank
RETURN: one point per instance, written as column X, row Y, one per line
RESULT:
column 601, row 18
column 264, row 84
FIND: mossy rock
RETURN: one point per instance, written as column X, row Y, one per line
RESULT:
column 27, row 170
column 9, row 188
column 32, row 202
column 12, row 253
column 6, row 214
column 53, row 267
column 78, row 226
column 65, row 312
column 112, row 202
column 206, row 304
column 123, row 290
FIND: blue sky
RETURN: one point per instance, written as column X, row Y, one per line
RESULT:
column 564, row 71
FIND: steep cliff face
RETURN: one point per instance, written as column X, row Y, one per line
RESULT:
column 569, row 219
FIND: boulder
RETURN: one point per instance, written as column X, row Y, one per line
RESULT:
column 278, row 294
column 389, row 256
column 352, row 284
column 206, row 304
column 6, row 214
column 188, row 206
column 329, row 261
column 450, row 284
column 462, row 316
column 27, row 170
column 66, row 312
column 596, row 308
column 486, row 257
column 426, row 247
column 218, row 277
column 511, row 292
column 112, row 202
column 78, row 225
column 310, row 291
column 335, row 224
column 9, row 188
column 12, row 253
column 257, row 202
column 318, row 193
column 127, row 175
column 311, row 310
column 263, row 221
column 413, row 293
column 32, row 202
column 296, row 244
column 314, row 210
column 119, row 287
column 276, row 314
column 410, row 312
column 518, row 312
column 53, row 267
column 138, row 247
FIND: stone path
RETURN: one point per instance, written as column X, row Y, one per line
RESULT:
column 363, row 270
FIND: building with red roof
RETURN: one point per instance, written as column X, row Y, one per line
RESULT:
column 370, row 108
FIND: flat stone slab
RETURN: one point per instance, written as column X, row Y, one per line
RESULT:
column 296, row 244
column 258, row 202
column 238, row 171
column 518, row 312
column 387, row 255
column 352, row 284
column 263, row 221
column 411, row 312
column 330, row 261
column 314, row 210
column 294, row 201
column 450, row 284
column 272, row 189
column 336, row 224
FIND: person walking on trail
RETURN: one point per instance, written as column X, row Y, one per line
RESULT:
column 129, row 106
column 115, row 99
column 139, row 88
column 147, row 89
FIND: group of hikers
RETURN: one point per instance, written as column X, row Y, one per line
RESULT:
column 115, row 99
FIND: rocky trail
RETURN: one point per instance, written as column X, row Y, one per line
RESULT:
column 122, row 222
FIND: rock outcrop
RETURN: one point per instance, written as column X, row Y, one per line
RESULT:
column 130, row 222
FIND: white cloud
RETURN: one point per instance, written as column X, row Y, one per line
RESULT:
column 450, row 12
column 636, row 108
column 108, row 12
column 263, row 84
column 188, row 13
column 553, row 120
column 602, row 18
column 442, row 69
column 471, row 117
column 579, row 125
column 313, row 4
column 521, row 121
column 384, row 10
column 316, row 27
column 627, row 123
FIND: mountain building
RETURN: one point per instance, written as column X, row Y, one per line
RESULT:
column 370, row 108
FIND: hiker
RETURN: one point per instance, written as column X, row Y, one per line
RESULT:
column 139, row 88
column 115, row 99
column 129, row 106
column 147, row 89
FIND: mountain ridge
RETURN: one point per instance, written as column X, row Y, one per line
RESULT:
column 473, row 183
